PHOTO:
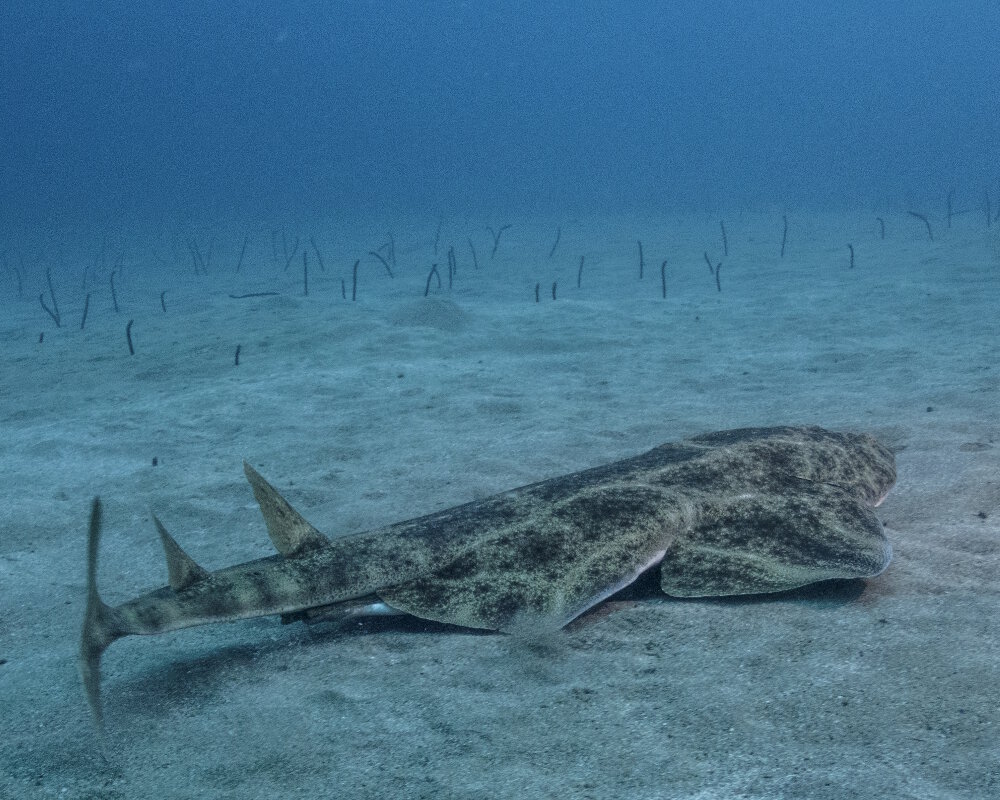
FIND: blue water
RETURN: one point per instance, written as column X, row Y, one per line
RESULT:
column 310, row 106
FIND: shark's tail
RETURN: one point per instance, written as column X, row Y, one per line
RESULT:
column 101, row 623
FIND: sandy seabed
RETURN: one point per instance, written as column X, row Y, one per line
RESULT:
column 396, row 405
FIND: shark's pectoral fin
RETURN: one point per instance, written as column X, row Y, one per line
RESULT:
column 771, row 541
column 288, row 529
column 553, row 568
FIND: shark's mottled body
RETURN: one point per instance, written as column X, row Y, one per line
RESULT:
column 736, row 512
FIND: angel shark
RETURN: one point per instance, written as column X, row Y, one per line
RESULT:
column 742, row 511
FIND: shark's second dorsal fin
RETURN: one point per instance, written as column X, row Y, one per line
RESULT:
column 288, row 529
column 182, row 570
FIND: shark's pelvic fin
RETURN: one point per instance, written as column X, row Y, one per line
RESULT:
column 288, row 529
column 182, row 570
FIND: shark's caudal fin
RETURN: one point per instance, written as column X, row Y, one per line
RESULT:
column 291, row 534
column 101, row 623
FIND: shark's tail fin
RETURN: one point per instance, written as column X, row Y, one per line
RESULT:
column 101, row 624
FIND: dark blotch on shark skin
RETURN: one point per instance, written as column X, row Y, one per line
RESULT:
column 538, row 549
column 599, row 515
column 465, row 564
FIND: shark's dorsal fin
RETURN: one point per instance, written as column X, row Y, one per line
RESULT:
column 291, row 534
column 182, row 570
